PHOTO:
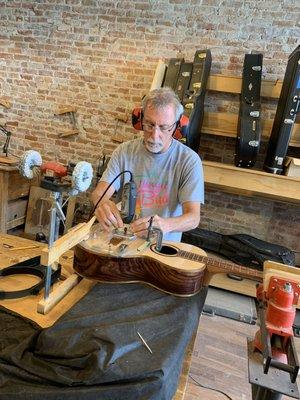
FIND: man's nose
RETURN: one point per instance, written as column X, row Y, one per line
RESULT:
column 155, row 131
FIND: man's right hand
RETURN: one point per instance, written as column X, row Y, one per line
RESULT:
column 106, row 212
column 108, row 215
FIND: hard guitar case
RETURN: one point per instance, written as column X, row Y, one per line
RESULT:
column 183, row 80
column 249, row 124
column 172, row 72
column 287, row 108
column 194, row 97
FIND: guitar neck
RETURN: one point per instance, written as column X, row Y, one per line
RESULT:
column 215, row 266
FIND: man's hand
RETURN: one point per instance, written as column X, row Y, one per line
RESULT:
column 188, row 220
column 108, row 215
column 140, row 226
column 106, row 212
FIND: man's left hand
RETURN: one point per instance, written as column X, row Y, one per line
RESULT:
column 140, row 226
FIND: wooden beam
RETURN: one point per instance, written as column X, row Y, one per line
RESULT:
column 66, row 242
column 251, row 182
column 58, row 293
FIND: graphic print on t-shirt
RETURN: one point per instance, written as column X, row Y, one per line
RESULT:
column 152, row 194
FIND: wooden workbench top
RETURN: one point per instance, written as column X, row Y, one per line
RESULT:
column 13, row 250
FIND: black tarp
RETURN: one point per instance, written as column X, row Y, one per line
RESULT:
column 94, row 351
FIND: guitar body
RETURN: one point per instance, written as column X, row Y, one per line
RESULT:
column 179, row 268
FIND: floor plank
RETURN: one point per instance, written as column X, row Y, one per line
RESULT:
column 219, row 360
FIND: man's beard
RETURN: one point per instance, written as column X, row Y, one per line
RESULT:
column 153, row 147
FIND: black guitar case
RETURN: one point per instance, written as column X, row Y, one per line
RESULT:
column 183, row 80
column 241, row 248
column 172, row 72
column 249, row 125
column 194, row 98
column 287, row 108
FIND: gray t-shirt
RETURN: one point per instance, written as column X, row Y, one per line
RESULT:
column 164, row 180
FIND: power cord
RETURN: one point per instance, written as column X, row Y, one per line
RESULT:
column 210, row 388
column 121, row 173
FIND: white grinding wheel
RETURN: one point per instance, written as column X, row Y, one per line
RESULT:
column 82, row 176
column 29, row 160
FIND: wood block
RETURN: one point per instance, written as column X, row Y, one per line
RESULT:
column 8, row 160
column 245, row 286
column 45, row 305
column 66, row 242
column 18, row 186
column 38, row 215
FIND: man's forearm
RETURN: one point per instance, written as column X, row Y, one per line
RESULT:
column 181, row 223
column 189, row 219
column 99, row 190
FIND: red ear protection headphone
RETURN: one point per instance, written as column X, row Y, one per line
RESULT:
column 180, row 129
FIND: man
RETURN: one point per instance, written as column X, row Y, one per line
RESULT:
column 168, row 174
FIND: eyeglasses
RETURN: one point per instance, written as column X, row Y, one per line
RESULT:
column 148, row 127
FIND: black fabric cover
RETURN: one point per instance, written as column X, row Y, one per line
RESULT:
column 94, row 351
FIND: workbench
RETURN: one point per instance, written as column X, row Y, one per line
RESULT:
column 14, row 191
column 168, row 323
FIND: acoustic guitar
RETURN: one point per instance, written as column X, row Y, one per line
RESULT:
column 178, row 268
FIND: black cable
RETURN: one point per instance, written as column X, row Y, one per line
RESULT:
column 210, row 388
column 121, row 173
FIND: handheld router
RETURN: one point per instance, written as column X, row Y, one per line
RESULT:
column 128, row 201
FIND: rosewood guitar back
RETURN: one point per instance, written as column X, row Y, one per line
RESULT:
column 137, row 269
column 179, row 268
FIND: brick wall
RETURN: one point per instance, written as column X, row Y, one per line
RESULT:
column 99, row 57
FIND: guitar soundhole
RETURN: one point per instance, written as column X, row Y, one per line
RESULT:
column 166, row 250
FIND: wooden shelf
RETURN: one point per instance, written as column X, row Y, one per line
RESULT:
column 225, row 124
column 251, row 182
column 233, row 84
column 241, row 180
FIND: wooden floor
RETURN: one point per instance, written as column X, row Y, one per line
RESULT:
column 219, row 360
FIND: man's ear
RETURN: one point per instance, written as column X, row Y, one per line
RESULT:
column 137, row 118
